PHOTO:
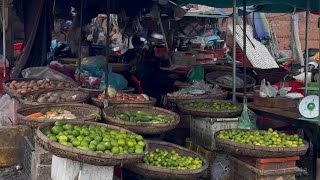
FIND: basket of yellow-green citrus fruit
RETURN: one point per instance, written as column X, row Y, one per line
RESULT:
column 260, row 143
column 91, row 142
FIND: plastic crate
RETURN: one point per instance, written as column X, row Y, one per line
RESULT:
column 270, row 163
column 243, row 171
column 28, row 148
column 202, row 130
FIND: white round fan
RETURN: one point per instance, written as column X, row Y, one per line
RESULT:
column 309, row 106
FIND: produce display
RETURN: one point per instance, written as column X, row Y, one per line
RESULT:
column 96, row 138
column 212, row 105
column 141, row 116
column 125, row 97
column 24, row 87
column 171, row 160
column 56, row 97
column 268, row 138
column 54, row 114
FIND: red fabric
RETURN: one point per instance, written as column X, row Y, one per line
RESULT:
column 137, row 83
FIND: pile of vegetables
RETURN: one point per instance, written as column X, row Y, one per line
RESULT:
column 141, row 116
column 171, row 160
column 25, row 87
column 54, row 114
column 56, row 97
column 96, row 138
column 212, row 105
column 125, row 97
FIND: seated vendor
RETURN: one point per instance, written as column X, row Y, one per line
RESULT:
column 154, row 81
column 131, row 55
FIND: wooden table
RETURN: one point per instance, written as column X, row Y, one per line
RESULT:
column 310, row 128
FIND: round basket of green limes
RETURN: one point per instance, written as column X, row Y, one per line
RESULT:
column 91, row 142
column 210, row 108
column 260, row 143
column 169, row 161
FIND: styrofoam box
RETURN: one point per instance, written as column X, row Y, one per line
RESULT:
column 202, row 129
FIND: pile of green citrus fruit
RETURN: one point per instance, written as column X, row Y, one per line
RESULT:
column 212, row 105
column 268, row 138
column 96, row 138
column 171, row 160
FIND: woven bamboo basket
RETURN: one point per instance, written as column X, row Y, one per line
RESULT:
column 118, row 67
column 178, row 99
column 213, row 76
column 96, row 102
column 14, row 93
column 237, row 148
column 214, row 113
column 139, row 127
column 89, row 157
column 165, row 173
column 83, row 112
column 30, row 98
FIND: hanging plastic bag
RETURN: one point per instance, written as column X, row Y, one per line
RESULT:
column 8, row 110
column 267, row 90
column 248, row 118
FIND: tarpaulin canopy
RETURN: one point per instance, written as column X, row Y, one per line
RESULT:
column 265, row 5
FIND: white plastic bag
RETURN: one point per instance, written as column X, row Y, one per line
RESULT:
column 267, row 90
column 8, row 110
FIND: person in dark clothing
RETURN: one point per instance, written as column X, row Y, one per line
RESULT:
column 154, row 81
column 131, row 55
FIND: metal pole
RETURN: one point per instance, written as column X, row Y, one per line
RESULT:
column 106, row 70
column 306, row 61
column 80, row 44
column 245, row 47
column 4, row 4
column 234, row 50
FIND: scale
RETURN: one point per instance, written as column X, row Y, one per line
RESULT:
column 309, row 106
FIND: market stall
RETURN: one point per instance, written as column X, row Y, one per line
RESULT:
column 115, row 132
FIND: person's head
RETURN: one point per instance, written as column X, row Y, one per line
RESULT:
column 136, row 42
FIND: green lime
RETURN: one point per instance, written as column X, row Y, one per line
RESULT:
column 87, row 138
column 86, row 148
column 56, row 129
column 130, row 144
column 63, row 138
column 101, row 147
column 108, row 145
column 76, row 143
column 122, row 131
column 121, row 142
column 94, row 142
column 114, row 143
column 141, row 143
column 138, row 151
column 75, row 133
column 93, row 147
column 115, row 150
column 53, row 138
column 80, row 138
column 84, row 143
column 138, row 138
column 98, row 138
column 58, row 123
